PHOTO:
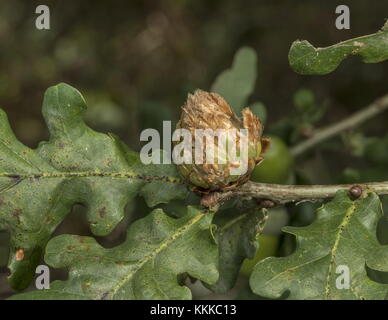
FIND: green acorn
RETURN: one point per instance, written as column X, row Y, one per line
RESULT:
column 205, row 110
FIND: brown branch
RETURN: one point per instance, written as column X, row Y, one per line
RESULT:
column 354, row 120
column 281, row 194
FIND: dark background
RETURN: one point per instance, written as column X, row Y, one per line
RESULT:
column 135, row 61
column 141, row 56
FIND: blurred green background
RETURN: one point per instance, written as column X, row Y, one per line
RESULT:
column 135, row 61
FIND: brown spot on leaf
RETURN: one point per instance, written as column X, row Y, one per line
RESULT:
column 102, row 212
column 14, row 176
column 19, row 255
column 104, row 295
column 16, row 213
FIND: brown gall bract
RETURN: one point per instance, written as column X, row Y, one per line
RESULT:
column 205, row 110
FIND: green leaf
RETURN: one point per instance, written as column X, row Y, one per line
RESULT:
column 344, row 234
column 147, row 265
column 77, row 165
column 378, row 260
column 237, row 238
column 235, row 85
column 260, row 110
column 376, row 150
column 304, row 99
column 304, row 58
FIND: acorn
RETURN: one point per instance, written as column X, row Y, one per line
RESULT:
column 206, row 110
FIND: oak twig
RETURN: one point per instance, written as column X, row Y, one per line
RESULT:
column 354, row 120
column 281, row 194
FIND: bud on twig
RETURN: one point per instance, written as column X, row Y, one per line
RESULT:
column 355, row 191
